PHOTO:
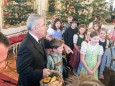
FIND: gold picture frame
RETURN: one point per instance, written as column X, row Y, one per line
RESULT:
column 15, row 12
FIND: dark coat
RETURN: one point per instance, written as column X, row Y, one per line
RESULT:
column 68, row 36
column 31, row 60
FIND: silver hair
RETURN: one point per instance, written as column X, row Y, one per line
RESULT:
column 33, row 21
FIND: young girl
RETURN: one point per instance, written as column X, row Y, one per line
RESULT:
column 96, row 26
column 77, row 40
column 97, row 18
column 103, row 38
column 111, row 36
column 52, row 20
column 87, row 37
column 55, row 31
column 83, row 43
column 107, row 66
column 90, row 55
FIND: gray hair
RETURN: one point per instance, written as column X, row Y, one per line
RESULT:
column 33, row 21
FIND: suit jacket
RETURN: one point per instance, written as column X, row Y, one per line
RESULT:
column 31, row 60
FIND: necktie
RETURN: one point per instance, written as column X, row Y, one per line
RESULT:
column 40, row 42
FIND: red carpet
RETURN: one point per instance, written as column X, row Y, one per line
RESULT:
column 7, row 81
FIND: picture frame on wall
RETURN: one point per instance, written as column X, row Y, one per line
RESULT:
column 15, row 12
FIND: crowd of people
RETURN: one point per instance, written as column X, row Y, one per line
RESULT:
column 89, row 50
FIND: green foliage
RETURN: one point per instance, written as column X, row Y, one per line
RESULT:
column 83, row 11
column 51, row 5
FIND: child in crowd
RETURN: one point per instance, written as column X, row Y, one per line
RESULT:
column 77, row 40
column 96, row 18
column 68, row 37
column 107, row 68
column 96, row 26
column 68, row 24
column 111, row 36
column 54, row 59
column 90, row 55
column 55, row 31
column 83, row 43
column 104, row 42
column 87, row 36
column 52, row 21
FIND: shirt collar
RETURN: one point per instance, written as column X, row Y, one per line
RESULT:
column 53, row 54
column 34, row 36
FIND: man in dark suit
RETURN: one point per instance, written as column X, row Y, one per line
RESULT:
column 31, row 57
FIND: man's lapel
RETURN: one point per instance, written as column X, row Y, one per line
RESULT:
column 36, row 45
column 39, row 47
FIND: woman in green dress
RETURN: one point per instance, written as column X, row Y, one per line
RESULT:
column 90, row 55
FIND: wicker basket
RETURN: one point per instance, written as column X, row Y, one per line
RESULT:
column 57, row 82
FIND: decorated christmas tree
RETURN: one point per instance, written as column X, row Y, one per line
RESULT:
column 85, row 10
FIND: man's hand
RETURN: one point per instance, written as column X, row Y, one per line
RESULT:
column 46, row 72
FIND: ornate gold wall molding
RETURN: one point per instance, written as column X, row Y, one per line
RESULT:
column 42, row 6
